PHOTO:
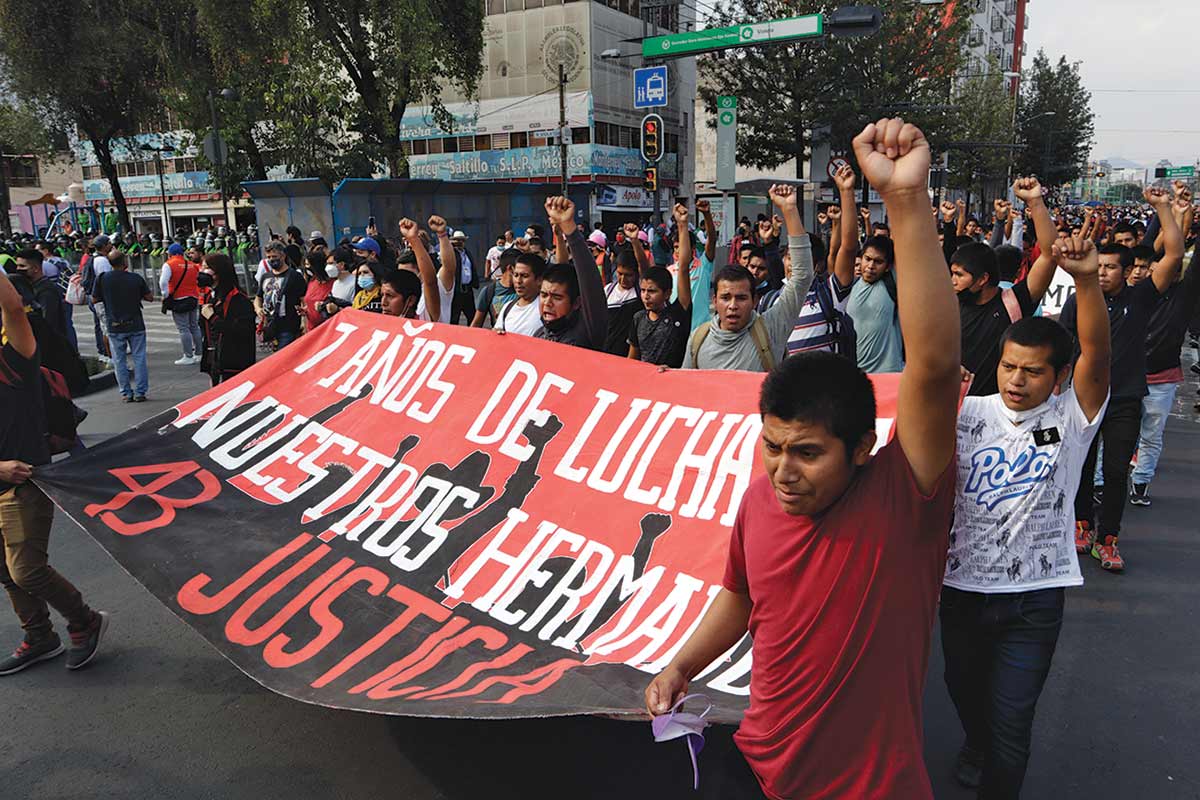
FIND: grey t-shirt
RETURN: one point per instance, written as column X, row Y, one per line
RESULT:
column 880, row 346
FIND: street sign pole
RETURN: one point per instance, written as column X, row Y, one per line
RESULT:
column 727, row 143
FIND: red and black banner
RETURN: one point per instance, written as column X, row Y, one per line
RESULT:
column 410, row 518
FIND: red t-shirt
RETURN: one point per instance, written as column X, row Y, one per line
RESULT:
column 842, row 616
column 315, row 295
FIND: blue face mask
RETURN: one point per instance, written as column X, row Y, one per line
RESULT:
column 366, row 282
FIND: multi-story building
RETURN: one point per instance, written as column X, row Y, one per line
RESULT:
column 34, row 185
column 509, row 132
column 996, row 35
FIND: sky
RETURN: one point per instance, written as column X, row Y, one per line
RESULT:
column 1137, row 60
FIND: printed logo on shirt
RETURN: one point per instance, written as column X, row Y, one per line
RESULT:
column 994, row 479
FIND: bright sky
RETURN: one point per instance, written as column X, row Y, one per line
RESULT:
column 1140, row 45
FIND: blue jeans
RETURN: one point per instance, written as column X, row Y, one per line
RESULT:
column 284, row 338
column 998, row 649
column 136, row 344
column 188, row 325
column 98, row 323
column 1155, row 408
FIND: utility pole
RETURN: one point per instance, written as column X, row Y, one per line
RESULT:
column 162, row 194
column 562, row 124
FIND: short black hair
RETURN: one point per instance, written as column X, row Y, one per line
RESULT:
column 819, row 254
column 538, row 230
column 1042, row 332
column 1008, row 262
column 732, row 273
column 508, row 257
column 563, row 275
column 30, row 255
column 627, row 258
column 342, row 255
column 1123, row 227
column 661, row 277
column 881, row 225
column 405, row 282
column 884, row 245
column 536, row 264
column 745, row 246
column 757, row 252
column 823, row 389
column 977, row 259
column 536, row 241
column 1143, row 252
column 1120, row 250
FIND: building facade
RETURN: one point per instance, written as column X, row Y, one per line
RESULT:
column 997, row 33
column 509, row 132
column 34, row 185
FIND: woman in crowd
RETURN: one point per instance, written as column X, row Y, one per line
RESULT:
column 369, row 277
column 228, row 321
column 319, row 285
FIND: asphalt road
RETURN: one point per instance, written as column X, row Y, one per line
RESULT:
column 162, row 715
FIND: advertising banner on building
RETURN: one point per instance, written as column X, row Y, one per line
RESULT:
column 175, row 183
column 422, row 519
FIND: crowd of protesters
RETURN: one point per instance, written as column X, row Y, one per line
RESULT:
column 843, row 552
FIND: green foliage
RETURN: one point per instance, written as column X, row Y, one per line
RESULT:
column 1057, row 145
column 22, row 131
column 783, row 90
column 984, row 117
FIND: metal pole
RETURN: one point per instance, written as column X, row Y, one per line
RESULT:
column 562, row 124
column 162, row 194
column 212, row 107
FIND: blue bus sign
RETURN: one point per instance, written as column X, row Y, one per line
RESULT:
column 650, row 87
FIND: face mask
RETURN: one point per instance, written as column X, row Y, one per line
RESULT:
column 331, row 270
column 276, row 266
column 677, row 724
column 366, row 282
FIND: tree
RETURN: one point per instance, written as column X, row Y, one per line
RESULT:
column 392, row 53
column 100, row 72
column 785, row 90
column 1056, row 144
column 21, row 133
column 988, row 121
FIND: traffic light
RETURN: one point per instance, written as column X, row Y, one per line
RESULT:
column 652, row 137
column 650, row 179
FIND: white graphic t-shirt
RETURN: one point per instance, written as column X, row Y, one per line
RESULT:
column 524, row 319
column 1014, row 517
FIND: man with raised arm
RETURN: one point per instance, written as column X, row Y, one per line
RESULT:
column 836, row 556
column 1019, row 452
column 738, row 337
column 985, row 309
column 571, row 299
column 1129, row 312
column 433, row 293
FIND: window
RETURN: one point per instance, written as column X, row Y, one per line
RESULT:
column 581, row 135
column 22, row 172
column 518, row 139
column 450, row 145
column 495, row 6
column 1010, row 35
column 483, row 142
column 419, row 147
column 435, row 146
column 625, row 137
column 123, row 169
column 466, row 144
column 406, row 148
column 997, row 22
column 500, row 141
column 534, row 3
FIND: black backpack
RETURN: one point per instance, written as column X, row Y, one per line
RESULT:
column 840, row 323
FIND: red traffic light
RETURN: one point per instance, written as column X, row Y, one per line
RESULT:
column 652, row 145
column 650, row 179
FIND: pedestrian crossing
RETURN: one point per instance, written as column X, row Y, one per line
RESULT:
column 162, row 337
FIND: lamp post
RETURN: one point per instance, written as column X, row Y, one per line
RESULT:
column 162, row 187
column 218, row 147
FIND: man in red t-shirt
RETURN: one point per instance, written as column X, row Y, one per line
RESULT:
column 836, row 556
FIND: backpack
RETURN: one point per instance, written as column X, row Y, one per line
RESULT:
column 758, row 332
column 89, row 278
column 58, row 354
column 840, row 323
column 62, row 415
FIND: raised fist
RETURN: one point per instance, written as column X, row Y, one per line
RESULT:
column 765, row 230
column 561, row 212
column 1028, row 189
column 1077, row 255
column 681, row 216
column 1156, row 197
column 1180, row 187
column 865, row 213
column 844, row 178
column 783, row 196
column 437, row 225
column 893, row 156
column 410, row 230
column 949, row 211
column 631, row 230
column 822, row 217
column 703, row 207
column 835, row 213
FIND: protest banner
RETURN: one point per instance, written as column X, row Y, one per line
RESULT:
column 411, row 518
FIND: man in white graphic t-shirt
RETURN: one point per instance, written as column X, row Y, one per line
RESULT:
column 1012, row 550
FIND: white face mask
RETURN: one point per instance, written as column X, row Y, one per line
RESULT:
column 331, row 270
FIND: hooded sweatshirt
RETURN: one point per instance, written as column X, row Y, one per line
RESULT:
column 587, row 325
column 736, row 349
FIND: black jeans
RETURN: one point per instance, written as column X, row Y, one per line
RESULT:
column 1120, row 429
column 998, row 649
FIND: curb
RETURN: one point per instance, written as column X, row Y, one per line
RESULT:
column 100, row 382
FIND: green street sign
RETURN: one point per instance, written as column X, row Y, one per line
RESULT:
column 1181, row 172
column 754, row 33
column 727, row 143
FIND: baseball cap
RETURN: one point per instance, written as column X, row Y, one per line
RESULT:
column 316, row 235
column 175, row 249
column 368, row 244
column 101, row 240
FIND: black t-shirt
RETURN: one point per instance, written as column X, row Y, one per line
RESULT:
column 22, row 417
column 122, row 293
column 281, row 298
column 982, row 327
column 1128, row 318
column 662, row 341
column 1169, row 321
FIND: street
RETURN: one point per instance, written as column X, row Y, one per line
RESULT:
column 161, row 715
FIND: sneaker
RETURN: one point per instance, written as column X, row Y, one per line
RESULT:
column 182, row 362
column 968, row 769
column 1085, row 537
column 1108, row 555
column 139, row 398
column 126, row 398
column 26, row 654
column 1139, row 495
column 196, row 359
column 85, row 643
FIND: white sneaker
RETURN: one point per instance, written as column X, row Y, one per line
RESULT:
column 183, row 362
column 196, row 359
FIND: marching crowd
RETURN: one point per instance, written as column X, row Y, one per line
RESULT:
column 844, row 551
